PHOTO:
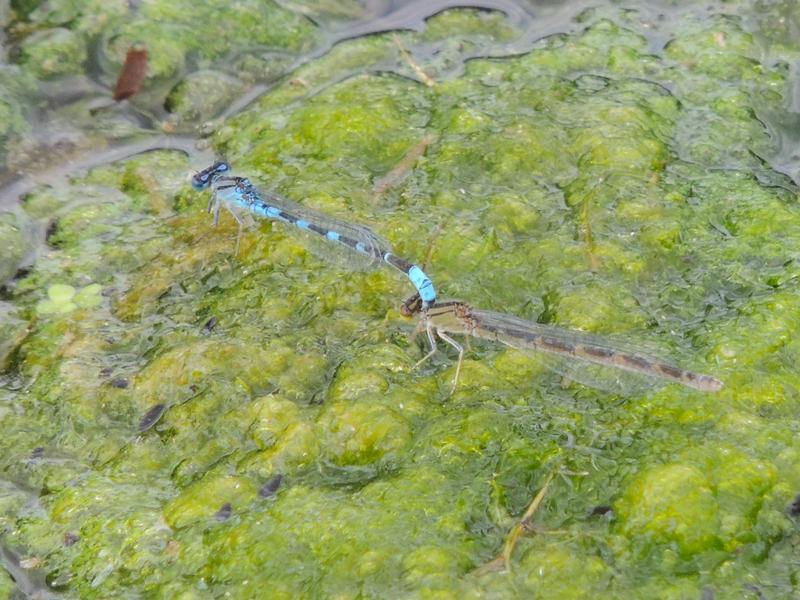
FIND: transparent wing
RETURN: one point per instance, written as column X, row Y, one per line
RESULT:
column 604, row 354
column 375, row 246
column 600, row 377
column 331, row 234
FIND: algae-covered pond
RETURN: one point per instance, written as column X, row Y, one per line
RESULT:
column 179, row 420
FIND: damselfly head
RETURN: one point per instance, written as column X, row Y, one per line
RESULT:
column 204, row 178
column 411, row 306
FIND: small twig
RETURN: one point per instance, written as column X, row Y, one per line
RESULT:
column 404, row 166
column 431, row 244
column 585, row 229
column 524, row 525
column 521, row 528
column 426, row 79
column 496, row 564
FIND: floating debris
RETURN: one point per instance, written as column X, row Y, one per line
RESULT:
column 224, row 513
column 133, row 73
column 210, row 325
column 794, row 507
column 269, row 488
column 29, row 579
column 151, row 417
column 32, row 562
column 601, row 510
column 120, row 383
column 404, row 166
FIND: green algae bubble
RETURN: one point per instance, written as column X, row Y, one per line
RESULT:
column 202, row 499
column 89, row 297
column 63, row 298
column 362, row 119
column 357, row 434
column 201, row 95
column 168, row 32
column 13, row 243
column 296, row 450
column 17, row 87
column 563, row 575
column 59, row 300
column 672, row 503
column 12, row 332
column 54, row 52
column 271, row 417
column 468, row 23
column 7, row 585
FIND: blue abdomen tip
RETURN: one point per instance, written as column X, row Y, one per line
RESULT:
column 423, row 284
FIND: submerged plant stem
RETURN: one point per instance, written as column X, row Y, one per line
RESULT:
column 391, row 179
column 503, row 561
column 426, row 79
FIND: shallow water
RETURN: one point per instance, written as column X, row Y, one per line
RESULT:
column 180, row 421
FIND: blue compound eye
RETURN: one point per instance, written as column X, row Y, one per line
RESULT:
column 203, row 179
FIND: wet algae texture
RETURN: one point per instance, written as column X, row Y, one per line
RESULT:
column 155, row 384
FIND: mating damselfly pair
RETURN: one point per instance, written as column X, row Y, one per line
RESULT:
column 439, row 318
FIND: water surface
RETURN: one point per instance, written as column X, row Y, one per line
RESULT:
column 180, row 421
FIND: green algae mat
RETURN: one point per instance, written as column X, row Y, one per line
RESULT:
column 182, row 421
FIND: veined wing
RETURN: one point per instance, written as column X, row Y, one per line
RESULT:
column 366, row 248
column 583, row 347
